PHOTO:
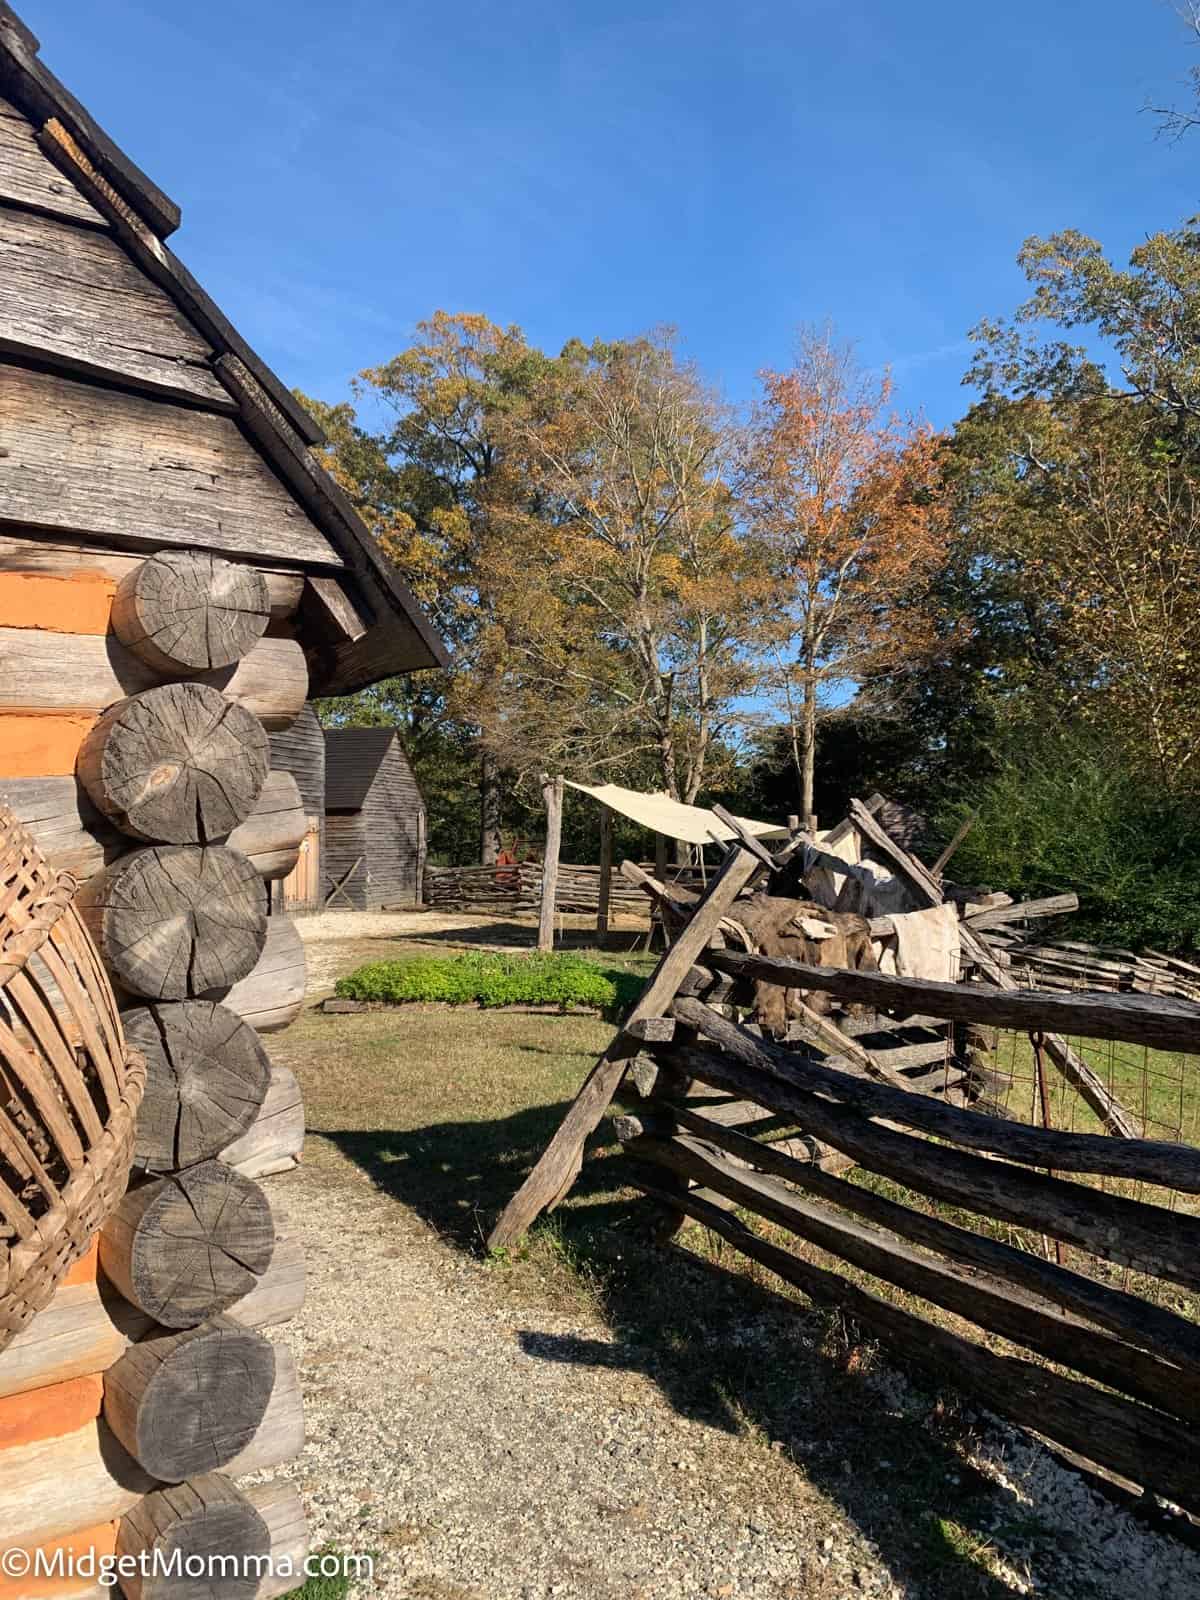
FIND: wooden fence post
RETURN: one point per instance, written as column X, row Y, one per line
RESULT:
column 552, row 793
column 604, row 894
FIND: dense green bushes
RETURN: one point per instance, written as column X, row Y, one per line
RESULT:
column 488, row 979
column 1072, row 815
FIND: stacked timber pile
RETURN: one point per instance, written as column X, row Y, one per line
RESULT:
column 1074, row 964
column 726, row 1124
column 145, row 1387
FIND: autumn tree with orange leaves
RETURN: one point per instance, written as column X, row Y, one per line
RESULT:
column 629, row 595
column 843, row 497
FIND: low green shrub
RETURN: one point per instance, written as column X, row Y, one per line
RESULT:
column 487, row 978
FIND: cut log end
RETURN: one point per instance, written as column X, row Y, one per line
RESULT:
column 180, row 764
column 176, row 921
column 187, row 611
column 188, row 1528
column 207, row 1077
column 189, row 1402
column 186, row 1247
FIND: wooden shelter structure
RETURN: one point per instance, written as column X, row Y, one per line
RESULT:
column 177, row 574
column 375, row 825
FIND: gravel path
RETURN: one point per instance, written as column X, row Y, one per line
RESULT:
column 442, row 1437
column 448, row 1436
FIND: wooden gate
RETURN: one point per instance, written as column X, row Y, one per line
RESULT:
column 301, row 887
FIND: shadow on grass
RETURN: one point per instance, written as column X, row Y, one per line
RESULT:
column 724, row 1349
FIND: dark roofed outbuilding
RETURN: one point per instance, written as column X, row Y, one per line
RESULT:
column 374, row 821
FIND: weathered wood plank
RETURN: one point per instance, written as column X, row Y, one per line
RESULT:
column 72, row 298
column 1156, row 1020
column 1146, row 1237
column 165, row 267
column 53, row 1487
column 1145, row 1445
column 42, row 553
column 1173, row 1166
column 1055, row 905
column 275, row 1139
column 281, row 1508
column 99, row 462
column 40, row 92
column 28, row 179
column 41, row 671
column 271, row 997
column 1114, row 1118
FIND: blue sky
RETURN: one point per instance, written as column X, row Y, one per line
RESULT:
column 600, row 168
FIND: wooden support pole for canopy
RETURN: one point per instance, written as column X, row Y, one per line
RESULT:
column 559, row 1164
column 552, row 794
column 604, row 894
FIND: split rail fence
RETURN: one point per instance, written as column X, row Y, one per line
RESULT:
column 518, row 888
column 734, row 1132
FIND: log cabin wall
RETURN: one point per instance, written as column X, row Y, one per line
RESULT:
column 375, row 821
column 177, row 574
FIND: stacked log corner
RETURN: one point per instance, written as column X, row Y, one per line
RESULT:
column 133, row 1403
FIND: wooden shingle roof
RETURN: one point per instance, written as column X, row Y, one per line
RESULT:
column 156, row 423
column 353, row 757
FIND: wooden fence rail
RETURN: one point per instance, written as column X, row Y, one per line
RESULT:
column 518, row 888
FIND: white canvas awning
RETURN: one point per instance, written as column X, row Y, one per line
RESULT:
column 661, row 814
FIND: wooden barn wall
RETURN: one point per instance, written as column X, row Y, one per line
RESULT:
column 392, row 810
column 300, row 750
column 345, row 842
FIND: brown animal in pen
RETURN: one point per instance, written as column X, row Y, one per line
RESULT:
column 800, row 930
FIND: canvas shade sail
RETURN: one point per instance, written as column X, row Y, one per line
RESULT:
column 661, row 814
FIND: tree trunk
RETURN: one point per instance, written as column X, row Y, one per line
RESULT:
column 808, row 748
column 489, row 809
column 175, row 921
column 604, row 891
column 180, row 764
column 185, row 611
column 207, row 1077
